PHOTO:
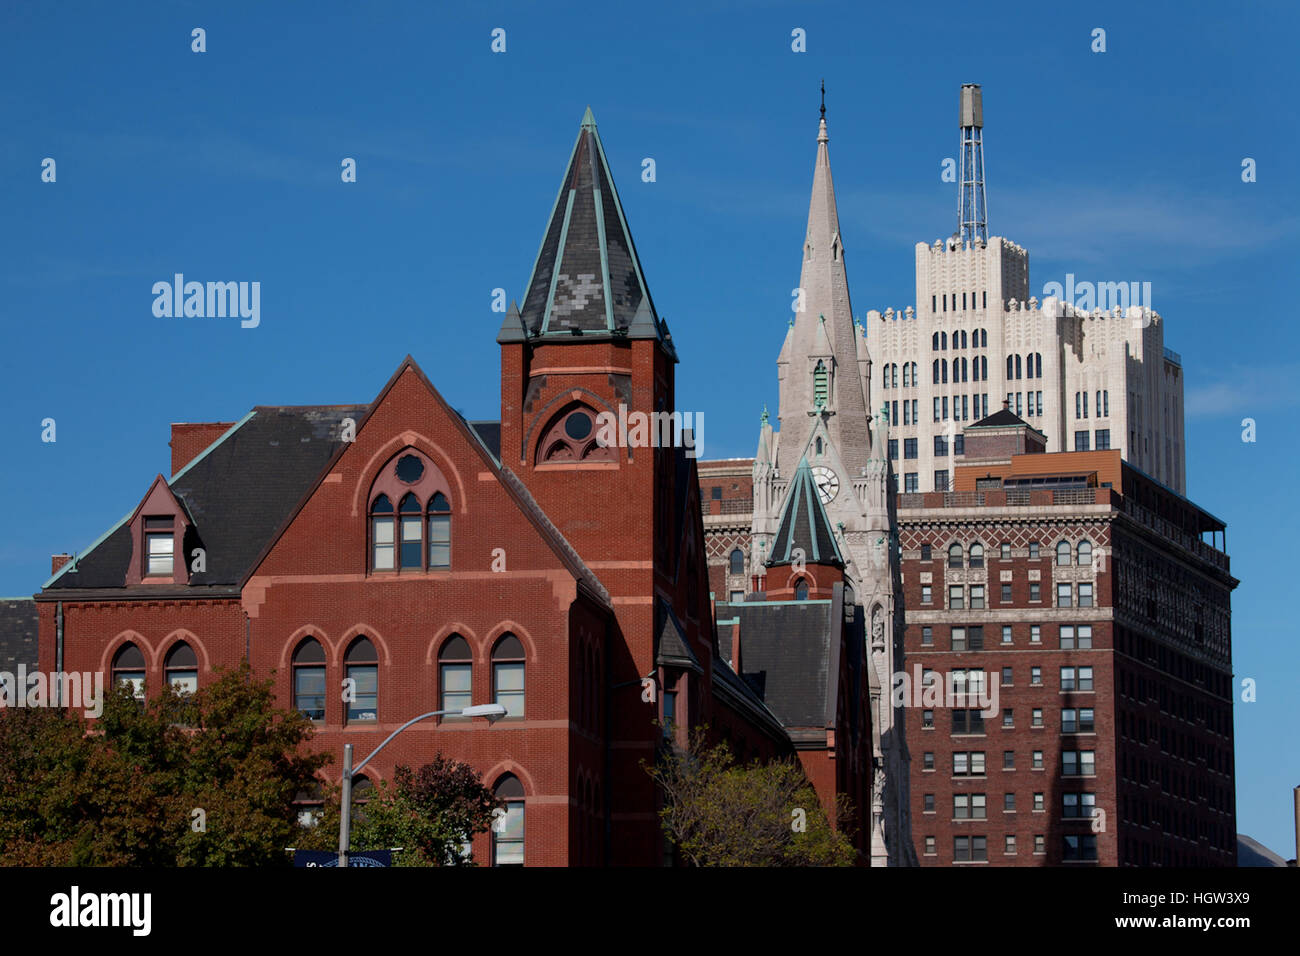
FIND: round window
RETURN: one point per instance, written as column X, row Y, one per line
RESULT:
column 410, row 469
column 577, row 426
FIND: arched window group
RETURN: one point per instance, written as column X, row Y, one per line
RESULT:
column 180, row 668
column 410, row 516
column 957, row 555
column 1081, row 555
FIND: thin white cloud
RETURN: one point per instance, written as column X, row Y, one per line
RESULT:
column 1244, row 391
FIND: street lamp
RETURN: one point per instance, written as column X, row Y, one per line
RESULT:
column 493, row 712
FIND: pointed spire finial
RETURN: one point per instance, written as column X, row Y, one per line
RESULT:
column 823, row 97
column 588, row 120
column 763, row 420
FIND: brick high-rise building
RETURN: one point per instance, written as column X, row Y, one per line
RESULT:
column 1082, row 594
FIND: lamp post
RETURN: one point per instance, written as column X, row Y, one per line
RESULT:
column 492, row 712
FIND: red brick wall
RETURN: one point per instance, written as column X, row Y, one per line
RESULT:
column 189, row 439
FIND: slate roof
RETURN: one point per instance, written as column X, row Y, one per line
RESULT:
column 239, row 492
column 786, row 656
column 489, row 433
column 18, row 629
column 1002, row 418
column 587, row 277
column 804, row 525
column 671, row 646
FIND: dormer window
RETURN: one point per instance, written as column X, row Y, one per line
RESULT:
column 159, row 549
column 161, row 531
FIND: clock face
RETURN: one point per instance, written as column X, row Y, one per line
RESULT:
column 828, row 483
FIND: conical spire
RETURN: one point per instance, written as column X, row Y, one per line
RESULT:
column 587, row 278
column 804, row 526
column 825, row 324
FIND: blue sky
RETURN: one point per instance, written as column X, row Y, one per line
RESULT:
column 1117, row 166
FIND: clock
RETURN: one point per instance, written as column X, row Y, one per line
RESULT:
column 828, row 483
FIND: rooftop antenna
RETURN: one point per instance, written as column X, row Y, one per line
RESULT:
column 972, row 212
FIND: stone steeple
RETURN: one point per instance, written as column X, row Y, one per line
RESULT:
column 819, row 362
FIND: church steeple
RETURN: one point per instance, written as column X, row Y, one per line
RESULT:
column 587, row 279
column 824, row 332
column 804, row 534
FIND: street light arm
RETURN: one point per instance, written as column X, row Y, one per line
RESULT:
column 414, row 720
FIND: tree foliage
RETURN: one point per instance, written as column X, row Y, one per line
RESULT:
column 125, row 791
column 430, row 813
column 720, row 813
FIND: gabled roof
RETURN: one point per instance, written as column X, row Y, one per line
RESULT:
column 804, row 525
column 238, row 492
column 587, row 277
column 671, row 646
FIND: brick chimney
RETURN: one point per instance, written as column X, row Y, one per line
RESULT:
column 57, row 561
column 190, row 439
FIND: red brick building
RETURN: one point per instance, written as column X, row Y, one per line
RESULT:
column 1084, row 595
column 423, row 562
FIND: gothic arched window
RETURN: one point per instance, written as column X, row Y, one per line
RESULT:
column 416, row 535
column 572, row 437
column 738, row 559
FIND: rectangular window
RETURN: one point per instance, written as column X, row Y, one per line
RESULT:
column 929, row 803
column 309, row 691
column 1069, row 720
column 941, row 480
column 1035, row 675
column 1085, row 594
column 959, row 445
column 945, row 406
column 737, row 597
column 893, row 449
column 977, row 596
column 670, row 712
column 925, row 552
column 967, row 722
column 365, row 705
column 1009, row 847
column 1085, row 678
column 929, row 846
column 907, row 413
column 456, row 688
column 1019, row 408
column 1038, row 760
column 1033, row 550
column 440, row 541
column 385, row 558
column 940, row 445
column 160, row 548
column 1063, row 596
column 1007, row 717
column 1067, row 637
column 956, row 597
column 926, row 595
column 1006, row 676
column 509, row 677
column 927, row 720
column 964, row 408
column 1008, row 760
column 1006, row 593
column 927, row 636
column 1035, row 633
column 508, row 844
column 893, row 412
column 959, row 638
column 1005, row 551
column 1080, row 441
column 909, row 448
column 911, row 482
column 927, row 760
column 936, row 408
column 1103, row 439
column 1039, row 804
column 1084, row 636
column 1036, row 718
column 1078, row 763
column 1078, row 805
column 1035, row 591
column 1008, row 802
column 412, row 546
column 1006, row 633
column 1067, row 678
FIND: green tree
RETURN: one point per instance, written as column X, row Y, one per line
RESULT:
column 430, row 813
column 125, row 791
column 719, row 813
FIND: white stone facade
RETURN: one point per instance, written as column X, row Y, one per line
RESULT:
column 824, row 372
column 974, row 304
